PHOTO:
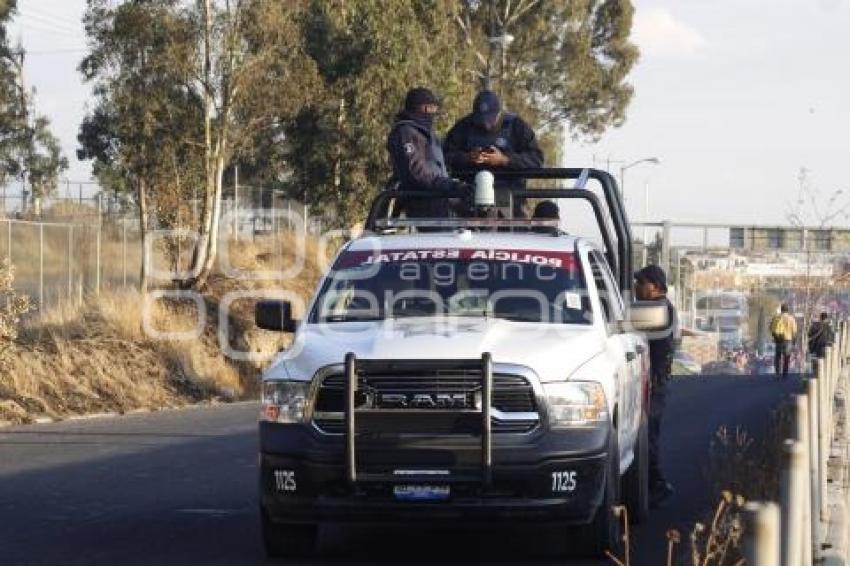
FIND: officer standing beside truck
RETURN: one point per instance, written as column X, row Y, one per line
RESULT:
column 652, row 286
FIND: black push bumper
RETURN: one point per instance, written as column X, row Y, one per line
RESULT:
column 544, row 476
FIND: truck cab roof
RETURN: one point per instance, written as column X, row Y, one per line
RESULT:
column 468, row 239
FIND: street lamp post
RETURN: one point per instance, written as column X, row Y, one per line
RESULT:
column 653, row 160
column 645, row 220
column 501, row 42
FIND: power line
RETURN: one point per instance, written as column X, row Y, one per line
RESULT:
column 57, row 23
column 68, row 22
column 58, row 51
column 47, row 25
column 38, row 27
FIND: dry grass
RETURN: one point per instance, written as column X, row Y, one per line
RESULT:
column 741, row 469
column 714, row 542
column 96, row 356
column 717, row 541
column 268, row 254
column 743, row 465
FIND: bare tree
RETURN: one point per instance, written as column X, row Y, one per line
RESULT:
column 815, row 211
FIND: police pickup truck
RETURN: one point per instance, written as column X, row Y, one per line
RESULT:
column 463, row 370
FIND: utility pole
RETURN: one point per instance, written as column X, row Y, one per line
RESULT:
column 236, row 203
column 645, row 219
column 19, row 64
column 488, row 80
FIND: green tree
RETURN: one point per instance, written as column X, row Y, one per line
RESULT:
column 43, row 161
column 554, row 60
column 367, row 53
column 249, row 53
column 142, row 133
column 210, row 76
column 11, row 111
column 302, row 93
column 28, row 149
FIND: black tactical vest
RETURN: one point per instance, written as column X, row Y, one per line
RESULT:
column 503, row 138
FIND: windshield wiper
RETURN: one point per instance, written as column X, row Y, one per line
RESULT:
column 351, row 318
column 410, row 313
column 517, row 318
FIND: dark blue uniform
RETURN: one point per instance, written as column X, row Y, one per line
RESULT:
column 514, row 138
column 661, row 350
column 417, row 156
column 418, row 164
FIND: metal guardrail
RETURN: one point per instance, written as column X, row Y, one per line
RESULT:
column 791, row 533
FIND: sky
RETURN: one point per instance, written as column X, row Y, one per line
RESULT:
column 733, row 97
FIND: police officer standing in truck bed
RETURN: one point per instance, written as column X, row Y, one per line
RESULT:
column 490, row 138
column 416, row 154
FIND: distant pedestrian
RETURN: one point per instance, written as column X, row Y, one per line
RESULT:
column 783, row 327
column 652, row 286
column 820, row 336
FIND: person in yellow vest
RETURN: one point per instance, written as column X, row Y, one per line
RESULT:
column 783, row 327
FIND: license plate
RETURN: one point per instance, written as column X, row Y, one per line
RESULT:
column 421, row 492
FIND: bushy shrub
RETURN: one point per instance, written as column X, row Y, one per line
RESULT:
column 12, row 307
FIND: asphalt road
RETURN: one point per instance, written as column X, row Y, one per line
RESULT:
column 179, row 488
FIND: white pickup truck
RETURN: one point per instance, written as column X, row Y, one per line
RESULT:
column 478, row 372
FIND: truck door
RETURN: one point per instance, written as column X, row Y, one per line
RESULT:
column 623, row 348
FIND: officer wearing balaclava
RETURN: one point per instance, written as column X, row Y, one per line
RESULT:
column 416, row 153
column 490, row 138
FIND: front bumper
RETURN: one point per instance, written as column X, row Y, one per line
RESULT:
column 302, row 477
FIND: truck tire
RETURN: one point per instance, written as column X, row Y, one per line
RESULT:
column 636, row 479
column 603, row 532
column 288, row 541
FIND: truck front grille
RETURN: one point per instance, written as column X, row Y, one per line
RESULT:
column 514, row 400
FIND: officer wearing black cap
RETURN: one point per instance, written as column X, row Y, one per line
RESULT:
column 546, row 210
column 652, row 286
column 490, row 138
column 417, row 154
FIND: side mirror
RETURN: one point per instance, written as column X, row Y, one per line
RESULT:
column 648, row 316
column 275, row 315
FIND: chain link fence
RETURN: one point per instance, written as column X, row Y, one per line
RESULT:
column 82, row 240
column 57, row 262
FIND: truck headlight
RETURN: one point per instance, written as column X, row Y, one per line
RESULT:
column 575, row 403
column 284, row 401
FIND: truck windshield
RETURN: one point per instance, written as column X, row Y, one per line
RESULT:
column 517, row 285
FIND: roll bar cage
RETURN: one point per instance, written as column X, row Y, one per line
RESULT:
column 617, row 238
